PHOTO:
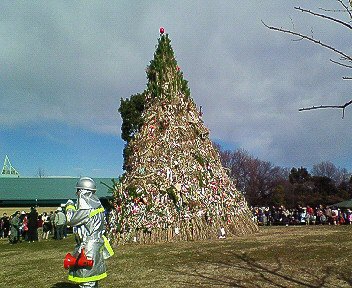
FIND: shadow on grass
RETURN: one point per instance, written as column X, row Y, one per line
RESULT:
column 65, row 285
column 242, row 271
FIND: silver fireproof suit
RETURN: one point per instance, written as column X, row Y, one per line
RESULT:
column 88, row 222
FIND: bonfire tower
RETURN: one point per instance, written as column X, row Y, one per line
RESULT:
column 174, row 187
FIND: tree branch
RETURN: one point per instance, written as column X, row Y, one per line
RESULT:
column 311, row 39
column 341, row 64
column 346, row 7
column 343, row 107
column 324, row 16
column 343, row 56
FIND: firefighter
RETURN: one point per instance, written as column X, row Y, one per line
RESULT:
column 87, row 264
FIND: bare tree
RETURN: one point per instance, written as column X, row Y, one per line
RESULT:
column 257, row 179
column 328, row 169
column 41, row 172
column 344, row 58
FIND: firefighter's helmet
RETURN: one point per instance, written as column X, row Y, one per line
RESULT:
column 86, row 183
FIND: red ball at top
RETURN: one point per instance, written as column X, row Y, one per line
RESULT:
column 162, row 30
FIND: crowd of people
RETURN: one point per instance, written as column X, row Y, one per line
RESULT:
column 302, row 215
column 32, row 226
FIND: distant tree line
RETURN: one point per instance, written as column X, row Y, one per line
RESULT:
column 265, row 184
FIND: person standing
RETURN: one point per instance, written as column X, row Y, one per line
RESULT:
column 52, row 224
column 40, row 224
column 32, row 224
column 60, row 221
column 46, row 225
column 15, row 228
column 88, row 218
column 2, row 227
column 6, row 225
column 24, row 226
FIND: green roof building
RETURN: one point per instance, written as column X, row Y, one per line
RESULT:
column 46, row 191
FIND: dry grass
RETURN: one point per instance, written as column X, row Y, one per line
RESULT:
column 314, row 256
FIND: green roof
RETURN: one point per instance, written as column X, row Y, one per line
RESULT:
column 46, row 188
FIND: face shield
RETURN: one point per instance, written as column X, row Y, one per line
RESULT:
column 85, row 191
column 86, row 199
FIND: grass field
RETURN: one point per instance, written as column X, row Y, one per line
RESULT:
column 296, row 256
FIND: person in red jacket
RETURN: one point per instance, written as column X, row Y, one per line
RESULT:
column 310, row 215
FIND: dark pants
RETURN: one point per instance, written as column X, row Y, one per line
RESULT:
column 59, row 232
column 32, row 234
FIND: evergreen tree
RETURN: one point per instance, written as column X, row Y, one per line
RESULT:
column 131, row 113
column 164, row 75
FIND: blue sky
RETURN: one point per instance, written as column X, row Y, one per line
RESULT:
column 64, row 65
column 62, row 150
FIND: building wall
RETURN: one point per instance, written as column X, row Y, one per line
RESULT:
column 44, row 189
